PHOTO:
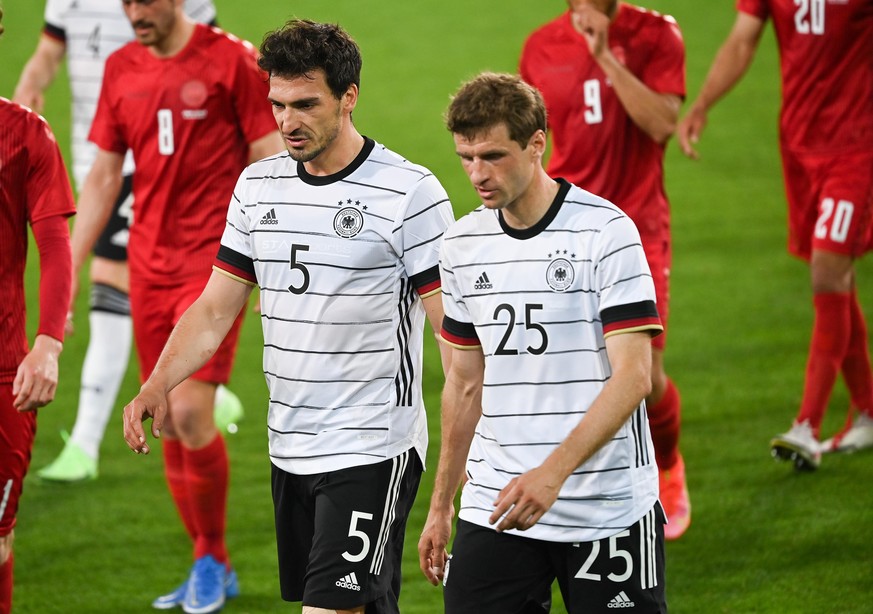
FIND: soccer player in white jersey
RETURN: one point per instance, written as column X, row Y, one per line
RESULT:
column 86, row 32
column 550, row 308
column 342, row 236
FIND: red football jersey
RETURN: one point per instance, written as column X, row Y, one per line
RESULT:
column 188, row 120
column 595, row 144
column 826, row 54
column 33, row 186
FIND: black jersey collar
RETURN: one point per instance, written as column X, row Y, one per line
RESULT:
column 307, row 178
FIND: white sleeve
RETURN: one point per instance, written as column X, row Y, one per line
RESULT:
column 427, row 214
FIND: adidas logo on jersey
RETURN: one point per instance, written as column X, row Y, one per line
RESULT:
column 483, row 283
column 350, row 582
column 621, row 601
column 269, row 218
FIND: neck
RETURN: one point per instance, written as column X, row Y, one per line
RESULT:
column 530, row 207
column 339, row 154
column 176, row 40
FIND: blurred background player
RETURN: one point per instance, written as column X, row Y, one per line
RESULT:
column 191, row 104
column 613, row 78
column 826, row 141
column 35, row 190
column 86, row 32
column 342, row 235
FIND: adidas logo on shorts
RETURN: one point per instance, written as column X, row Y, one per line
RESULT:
column 269, row 218
column 621, row 601
column 350, row 582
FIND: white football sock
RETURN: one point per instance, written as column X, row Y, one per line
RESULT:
column 102, row 372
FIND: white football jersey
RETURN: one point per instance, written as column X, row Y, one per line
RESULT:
column 342, row 262
column 540, row 302
column 91, row 30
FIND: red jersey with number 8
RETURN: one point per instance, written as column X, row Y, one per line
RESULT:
column 188, row 120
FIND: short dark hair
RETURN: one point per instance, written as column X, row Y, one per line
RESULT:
column 301, row 47
column 493, row 98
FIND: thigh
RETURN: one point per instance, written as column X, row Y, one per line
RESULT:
column 293, row 508
column 801, row 189
column 497, row 573
column 112, row 242
column 621, row 572
column 17, row 431
column 845, row 205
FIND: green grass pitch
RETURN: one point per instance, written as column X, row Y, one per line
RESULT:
column 762, row 539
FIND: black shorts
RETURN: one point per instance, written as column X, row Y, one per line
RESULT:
column 112, row 242
column 340, row 534
column 491, row 572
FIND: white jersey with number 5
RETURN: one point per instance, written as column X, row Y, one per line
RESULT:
column 342, row 262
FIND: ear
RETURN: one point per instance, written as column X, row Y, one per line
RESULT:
column 537, row 143
column 350, row 98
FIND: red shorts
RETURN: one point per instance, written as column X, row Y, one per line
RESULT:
column 155, row 311
column 17, row 430
column 659, row 257
column 830, row 202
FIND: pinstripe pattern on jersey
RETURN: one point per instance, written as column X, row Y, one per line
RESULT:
column 340, row 306
column 648, row 551
column 540, row 319
column 91, row 31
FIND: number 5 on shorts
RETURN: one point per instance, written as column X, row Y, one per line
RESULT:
column 355, row 532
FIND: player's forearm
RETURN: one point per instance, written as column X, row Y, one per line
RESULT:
column 52, row 238
column 461, row 410
column 731, row 61
column 39, row 73
column 94, row 209
column 654, row 113
column 200, row 331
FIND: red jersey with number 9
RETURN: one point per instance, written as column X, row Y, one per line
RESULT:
column 188, row 120
column 826, row 52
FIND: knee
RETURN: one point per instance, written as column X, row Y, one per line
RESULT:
column 831, row 273
column 6, row 547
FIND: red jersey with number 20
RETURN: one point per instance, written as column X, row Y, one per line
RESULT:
column 595, row 144
column 33, row 186
column 826, row 54
column 188, row 120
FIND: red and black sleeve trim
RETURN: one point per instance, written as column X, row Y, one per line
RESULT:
column 59, row 34
column 459, row 334
column 427, row 282
column 236, row 264
column 633, row 317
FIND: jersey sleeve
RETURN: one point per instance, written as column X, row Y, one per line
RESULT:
column 250, row 92
column 426, row 216
column 756, row 8
column 235, row 252
column 48, row 186
column 457, row 329
column 106, row 132
column 665, row 71
column 54, row 20
column 624, row 281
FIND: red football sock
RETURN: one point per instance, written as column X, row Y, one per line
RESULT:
column 664, row 422
column 856, row 364
column 174, row 470
column 6, row 585
column 831, row 332
column 207, row 473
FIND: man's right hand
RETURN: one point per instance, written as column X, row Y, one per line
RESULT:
column 689, row 130
column 149, row 403
column 432, row 554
